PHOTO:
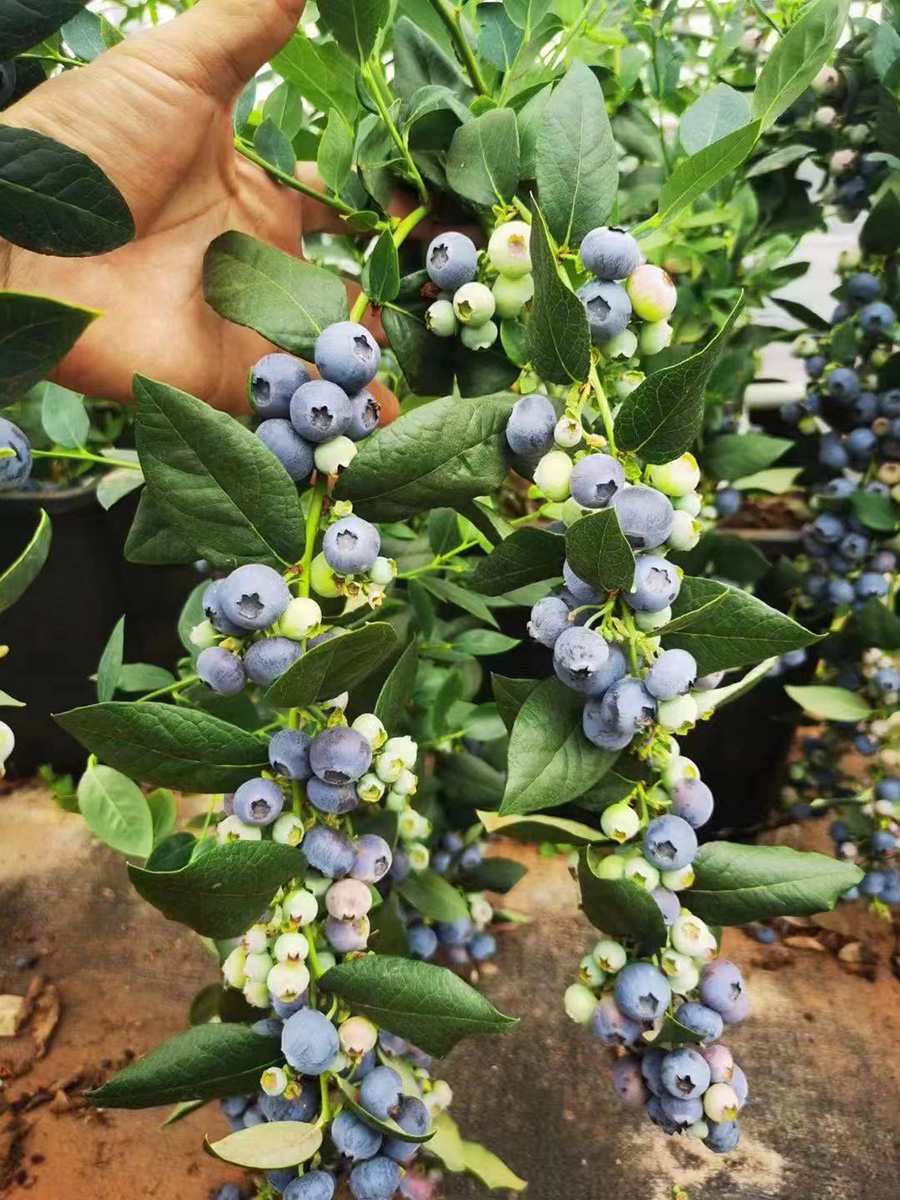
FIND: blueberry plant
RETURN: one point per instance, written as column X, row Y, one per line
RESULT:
column 303, row 666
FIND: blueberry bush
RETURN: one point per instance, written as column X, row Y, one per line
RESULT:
column 330, row 698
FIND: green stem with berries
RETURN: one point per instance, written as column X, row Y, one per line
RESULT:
column 603, row 405
column 171, row 690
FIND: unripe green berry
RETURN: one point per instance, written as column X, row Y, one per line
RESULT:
column 568, row 432
column 301, row 615
column 627, row 382
column 203, row 635
column 675, row 478
column 509, row 249
column 685, row 532
column 479, row 337
column 609, row 955
column 651, row 292
column 639, row 871
column 611, row 866
column 672, row 714
column 691, row 503
column 511, row 295
column 580, row 1003
column 623, row 345
column 553, row 473
column 337, row 452
column 383, row 571
column 620, row 822
column 322, row 579
column 655, row 336
column 473, row 304
column 440, row 319
column 647, row 622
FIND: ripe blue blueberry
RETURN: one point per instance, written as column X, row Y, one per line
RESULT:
column 727, row 501
column 739, row 1083
column 268, row 659
column 863, row 287
column 375, row 1179
column 673, row 674
column 328, row 851
column 381, row 1093
column 221, row 671
column 815, row 365
column 642, row 992
column 596, row 479
column 645, row 516
column 705, row 1022
column 692, row 801
column 656, row 584
column 371, row 858
column 723, row 1136
column 549, row 617
column 840, row 591
column 669, row 843
column 301, row 1108
column 258, row 802
column 412, row 1117
column 482, row 947
column 614, row 669
column 253, row 596
column 584, row 593
column 627, row 706
column 354, row 1139
column 289, row 754
column 348, row 355
column 685, row 1073
column 668, row 904
column 682, row 1112
column 888, row 789
column 321, row 410
column 451, row 261
column 651, row 1065
column 609, row 253
column 870, row 585
column 883, row 841
column 366, row 411
column 310, row 1042
column 273, row 381
column 334, row 798
column 578, row 655
column 423, row 942
column 598, row 730
column 529, row 429
column 613, row 1027
column 351, row 546
column 608, row 309
column 212, row 608
column 721, row 985
column 292, row 451
column 454, row 933
column 340, row 755
column 628, row 1082
column 861, row 442
column 657, row 1115
column 873, row 883
column 14, row 470
column 877, row 319
column 842, row 384
column 314, row 1185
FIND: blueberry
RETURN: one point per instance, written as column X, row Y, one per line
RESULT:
column 815, row 365
column 328, row 851
column 254, row 596
column 739, row 1083
column 454, row 933
column 335, row 798
column 289, row 754
column 423, row 942
column 267, row 1027
column 228, row 1191
column 371, row 858
column 608, row 309
column 609, row 253
column 832, row 453
column 347, row 355
column 321, row 410
column 692, row 801
column 598, row 730
column 221, row 671
column 301, row 1108
column 673, row 674
column 451, row 260
column 381, row 1093
column 258, row 802
column 651, row 1063
column 611, row 1026
column 366, row 413
column 273, row 381
column 645, row 516
column 340, row 755
column 314, row 1185
column 412, row 1117
column 721, row 985
column 843, row 384
column 596, row 479
column 628, row 1082
column 376, row 1179
column 657, row 1115
column 723, row 1136
column 309, row 1041
column 727, row 501
column 354, row 1139
column 482, row 947
column 668, row 904
column 14, row 470
column 828, row 527
column 642, row 992
column 841, row 592
column 864, row 287
column 549, row 617
column 682, row 1112
column 627, row 706
column 212, row 607
column 267, row 660
column 861, row 442
column 584, row 593
column 279, row 1178
column 873, row 883
column 351, row 546
column 876, row 319
column 669, row 843
column 889, row 404
column 685, row 1073
column 614, row 669
column 529, row 429
column 292, row 451
column 888, row 789
column 703, row 1021
column 578, row 655
column 656, row 584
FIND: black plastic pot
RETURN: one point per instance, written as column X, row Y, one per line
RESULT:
column 57, row 630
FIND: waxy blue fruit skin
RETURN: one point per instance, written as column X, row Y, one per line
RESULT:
column 293, row 452
column 454, row 933
column 693, row 802
column 651, row 1066
column 371, row 858
column 423, row 941
column 273, row 382
column 267, row 660
column 613, row 1027
column 727, row 501
column 328, row 851
column 685, row 1073
column 583, row 592
column 304, row 1107
column 451, row 260
column 705, row 1022
column 221, row 671
column 864, row 287
column 334, row 798
column 673, row 674
column 258, row 802
column 529, row 429
column 656, row 584
column 614, row 669
column 320, row 411
column 289, row 754
column 348, row 355
column 577, row 656
column 668, row 904
column 627, row 706
column 351, row 545
column 413, row 1117
column 721, row 986
column 381, row 1093
column 310, row 1042
column 609, row 252
column 549, row 617
column 645, row 516
column 628, row 1082
column 657, row 1115
column 366, row 412
column 376, row 1179
column 253, row 596
column 598, row 730
column 14, row 470
column 682, row 1112
column 482, row 947
column 353, row 1138
column 723, row 1136
column 642, row 992
column 842, row 384
column 596, row 479
column 876, row 319
column 340, row 755
column 314, row 1185
column 608, row 309
column 669, row 843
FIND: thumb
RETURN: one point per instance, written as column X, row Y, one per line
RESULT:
column 231, row 39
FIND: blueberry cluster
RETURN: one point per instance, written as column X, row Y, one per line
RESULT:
column 612, row 255
column 15, row 456
column 315, row 423
column 467, row 305
column 854, row 170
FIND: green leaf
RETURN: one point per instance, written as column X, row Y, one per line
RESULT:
column 117, row 484
column 285, row 299
column 152, row 540
column 163, row 813
column 598, row 552
column 397, row 689
column 274, row 146
column 620, row 907
column 735, row 884
column 321, row 73
column 168, row 744
column 21, row 574
column 204, row 1062
column 213, row 481
column 419, row 61
column 7, row 701
column 733, row 455
column 438, row 455
column 510, row 695
column 673, row 1033
column 24, row 24
column 797, row 58
column 576, row 162
column 334, row 666
column 537, row 827
column 433, row 896
column 64, row 417
column 433, row 365
column 447, row 1145
column 222, row 892
column 718, row 112
column 663, row 416
column 55, row 200
column 111, row 663
column 381, row 272
column 284, row 106
column 526, row 556
column 783, row 157
column 876, row 625
column 335, row 156
column 355, row 24
column 173, row 852
column 35, row 333
column 874, row 510
column 881, row 232
column 116, row 811
column 830, row 703
column 435, row 113
column 724, row 627
column 697, row 174
column 550, row 760
column 389, row 1128
column 529, row 119
column 494, row 875
column 777, row 480
column 483, row 641
column 491, row 1170
column 499, row 39
column 452, row 593
column 88, row 34
column 528, row 14
column 270, row 1146
column 428, row 1005
column 559, row 340
column 483, row 160
column 243, row 106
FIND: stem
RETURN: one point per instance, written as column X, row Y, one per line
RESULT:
column 452, row 18
column 335, row 202
column 603, row 405
column 314, row 964
column 178, row 686
column 312, row 527
column 402, row 231
column 369, row 76
column 85, row 456
column 439, row 560
column 55, row 58
column 209, row 813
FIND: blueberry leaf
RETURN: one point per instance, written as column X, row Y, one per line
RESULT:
column 397, row 689
column 152, row 540
column 830, row 703
column 698, row 173
column 355, row 24
column 559, row 340
column 64, row 417
column 322, row 74
column 526, row 556
column 88, row 34
column 493, row 875
column 35, row 333
column 797, row 58
column 116, row 811
column 733, row 455
column 510, row 695
column 389, row 1128
column 598, row 552
column 334, row 666
column 21, row 574
column 381, row 272
column 433, row 896
column 110, row 665
column 673, row 1033
column 876, row 625
column 619, row 907
column 539, row 827
column 483, row 160
column 714, row 114
column 491, row 1170
column 271, row 1146
column 428, row 1005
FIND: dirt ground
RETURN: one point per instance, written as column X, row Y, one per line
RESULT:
column 108, row 977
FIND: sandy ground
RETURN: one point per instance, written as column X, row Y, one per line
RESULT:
column 822, row 1050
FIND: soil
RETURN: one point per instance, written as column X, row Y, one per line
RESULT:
column 107, row 978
